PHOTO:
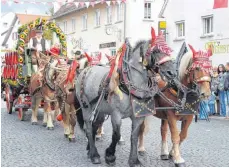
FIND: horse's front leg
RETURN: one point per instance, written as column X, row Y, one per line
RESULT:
column 110, row 151
column 35, row 105
column 72, row 121
column 175, row 152
column 48, row 110
column 133, row 158
column 66, row 119
column 164, row 142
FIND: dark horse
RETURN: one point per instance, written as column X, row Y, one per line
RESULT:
column 193, row 73
column 134, row 87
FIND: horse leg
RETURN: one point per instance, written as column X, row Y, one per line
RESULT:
column 164, row 143
column 141, row 148
column 35, row 105
column 48, row 110
column 110, row 151
column 175, row 152
column 184, row 128
column 72, row 120
column 66, row 120
column 133, row 158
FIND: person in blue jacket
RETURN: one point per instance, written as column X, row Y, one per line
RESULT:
column 221, row 91
column 226, row 88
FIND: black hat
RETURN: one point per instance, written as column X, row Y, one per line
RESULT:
column 39, row 29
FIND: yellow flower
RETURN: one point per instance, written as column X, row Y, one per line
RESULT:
column 20, row 60
column 22, row 44
column 62, row 36
column 44, row 21
column 22, row 36
column 37, row 22
column 64, row 44
column 64, row 53
column 52, row 25
column 31, row 25
column 26, row 31
column 58, row 31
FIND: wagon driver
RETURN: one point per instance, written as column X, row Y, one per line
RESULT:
column 38, row 44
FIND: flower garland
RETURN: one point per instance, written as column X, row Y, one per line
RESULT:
column 23, row 33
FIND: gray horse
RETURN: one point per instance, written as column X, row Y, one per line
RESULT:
column 139, row 88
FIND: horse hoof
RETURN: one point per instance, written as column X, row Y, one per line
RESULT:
column 142, row 153
column 121, row 142
column 180, row 165
column 170, row 156
column 165, row 157
column 44, row 124
column 96, row 160
column 72, row 139
column 66, row 135
column 110, row 160
column 50, row 128
column 34, row 123
column 135, row 164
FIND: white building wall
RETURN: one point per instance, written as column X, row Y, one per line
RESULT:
column 192, row 11
column 139, row 28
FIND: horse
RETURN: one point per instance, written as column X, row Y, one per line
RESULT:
column 41, row 87
column 91, row 92
column 193, row 73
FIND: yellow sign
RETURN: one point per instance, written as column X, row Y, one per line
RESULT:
column 217, row 47
column 162, row 24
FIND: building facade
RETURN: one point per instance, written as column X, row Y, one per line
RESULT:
column 197, row 23
column 104, row 28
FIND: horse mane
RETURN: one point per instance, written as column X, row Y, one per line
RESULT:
column 185, row 63
column 139, row 43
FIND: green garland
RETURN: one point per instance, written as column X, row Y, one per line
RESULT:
column 23, row 33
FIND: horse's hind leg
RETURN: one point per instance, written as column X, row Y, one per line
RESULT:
column 184, row 128
column 35, row 105
column 164, row 142
column 110, row 151
column 141, row 148
column 175, row 152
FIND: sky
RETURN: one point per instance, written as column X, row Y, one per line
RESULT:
column 22, row 8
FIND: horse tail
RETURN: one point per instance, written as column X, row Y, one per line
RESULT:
column 79, row 113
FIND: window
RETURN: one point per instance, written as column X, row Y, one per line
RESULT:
column 119, row 12
column 14, row 36
column 147, row 10
column 73, row 25
column 109, row 15
column 97, row 18
column 180, row 27
column 207, row 24
column 84, row 21
column 65, row 27
column 113, row 52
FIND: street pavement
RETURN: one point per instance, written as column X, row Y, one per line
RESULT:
column 23, row 144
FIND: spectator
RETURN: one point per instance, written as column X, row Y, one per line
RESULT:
column 226, row 88
column 214, row 87
column 221, row 91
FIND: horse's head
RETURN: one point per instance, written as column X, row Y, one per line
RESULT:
column 195, row 71
column 158, row 57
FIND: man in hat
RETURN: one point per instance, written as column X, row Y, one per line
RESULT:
column 37, row 44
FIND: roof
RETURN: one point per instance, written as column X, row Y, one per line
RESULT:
column 26, row 18
column 66, row 9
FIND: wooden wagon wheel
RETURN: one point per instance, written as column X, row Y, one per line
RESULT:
column 21, row 113
column 9, row 104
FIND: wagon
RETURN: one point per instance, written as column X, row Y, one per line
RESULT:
column 17, row 69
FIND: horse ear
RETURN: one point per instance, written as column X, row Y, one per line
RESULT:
column 153, row 36
column 210, row 50
column 88, row 57
column 193, row 50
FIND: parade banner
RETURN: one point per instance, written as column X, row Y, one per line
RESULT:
column 78, row 3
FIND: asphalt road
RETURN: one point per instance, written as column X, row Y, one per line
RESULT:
column 24, row 144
